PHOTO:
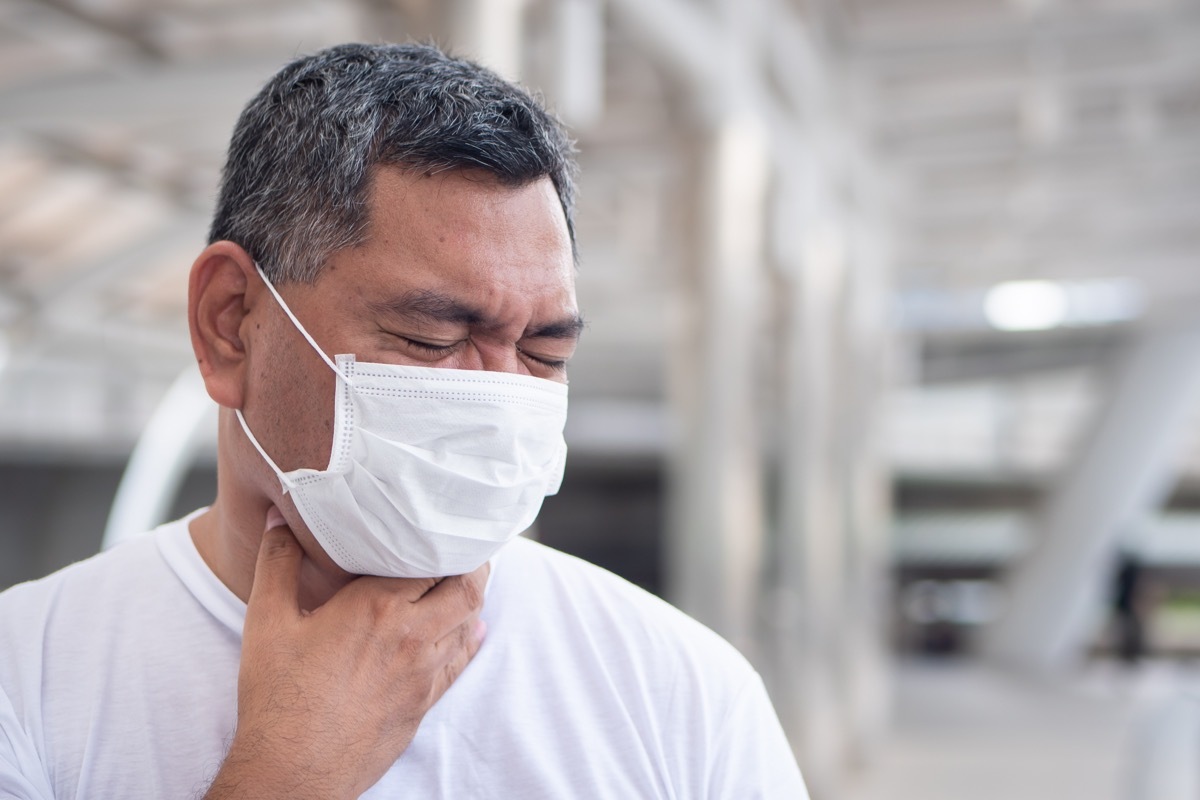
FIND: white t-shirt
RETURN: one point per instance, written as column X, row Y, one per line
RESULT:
column 118, row 679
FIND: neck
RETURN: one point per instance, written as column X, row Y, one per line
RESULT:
column 229, row 533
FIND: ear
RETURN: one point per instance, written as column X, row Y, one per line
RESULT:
column 218, row 305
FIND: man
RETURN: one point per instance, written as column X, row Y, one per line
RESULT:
column 384, row 314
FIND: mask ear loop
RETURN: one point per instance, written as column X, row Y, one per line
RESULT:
column 299, row 327
column 284, row 482
column 283, row 479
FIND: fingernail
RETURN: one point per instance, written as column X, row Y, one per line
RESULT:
column 274, row 519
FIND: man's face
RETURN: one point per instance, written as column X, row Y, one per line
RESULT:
column 458, row 271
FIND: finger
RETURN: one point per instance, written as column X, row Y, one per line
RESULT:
column 410, row 589
column 468, row 635
column 467, row 640
column 455, row 599
column 277, row 571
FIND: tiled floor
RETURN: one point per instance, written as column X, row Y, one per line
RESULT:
column 967, row 732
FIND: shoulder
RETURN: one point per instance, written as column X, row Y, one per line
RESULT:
column 119, row 570
column 624, row 620
column 80, row 606
column 604, row 649
column 102, row 657
column 44, row 625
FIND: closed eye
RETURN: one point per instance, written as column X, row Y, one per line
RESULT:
column 559, row 364
column 432, row 349
column 556, row 364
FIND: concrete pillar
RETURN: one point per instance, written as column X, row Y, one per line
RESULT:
column 715, row 524
column 490, row 32
column 865, row 354
column 826, row 619
column 810, row 553
column 576, row 84
column 1121, row 472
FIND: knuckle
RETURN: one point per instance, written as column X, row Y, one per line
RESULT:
column 466, row 633
column 278, row 543
column 422, row 587
column 410, row 645
column 471, row 590
column 409, row 638
column 470, row 648
column 446, row 676
column 384, row 608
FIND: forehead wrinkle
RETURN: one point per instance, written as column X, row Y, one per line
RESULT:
column 431, row 305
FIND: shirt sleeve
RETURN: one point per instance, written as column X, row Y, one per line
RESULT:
column 22, row 776
column 753, row 759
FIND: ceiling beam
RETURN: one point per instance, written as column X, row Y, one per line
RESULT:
column 195, row 90
column 129, row 31
column 907, row 34
column 948, row 150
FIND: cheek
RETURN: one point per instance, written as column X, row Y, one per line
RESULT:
column 307, row 417
column 296, row 399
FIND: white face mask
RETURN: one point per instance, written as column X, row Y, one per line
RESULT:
column 432, row 470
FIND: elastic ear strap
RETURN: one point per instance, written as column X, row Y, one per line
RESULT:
column 283, row 481
column 299, row 327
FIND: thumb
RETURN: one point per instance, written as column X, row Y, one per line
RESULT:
column 277, row 571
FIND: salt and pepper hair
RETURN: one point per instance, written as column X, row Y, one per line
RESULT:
column 296, row 185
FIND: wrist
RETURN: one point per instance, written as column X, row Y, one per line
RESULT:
column 254, row 768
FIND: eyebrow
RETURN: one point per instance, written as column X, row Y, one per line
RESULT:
column 438, row 307
column 569, row 328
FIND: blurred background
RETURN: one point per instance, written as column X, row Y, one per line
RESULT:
column 892, row 368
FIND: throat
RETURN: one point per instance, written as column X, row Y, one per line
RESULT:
column 229, row 546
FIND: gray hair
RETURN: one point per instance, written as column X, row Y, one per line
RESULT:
column 295, row 187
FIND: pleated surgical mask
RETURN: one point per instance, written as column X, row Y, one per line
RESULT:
column 432, row 470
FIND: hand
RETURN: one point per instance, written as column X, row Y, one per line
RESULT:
column 329, row 699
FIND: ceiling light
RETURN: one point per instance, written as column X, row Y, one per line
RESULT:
column 1026, row 305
